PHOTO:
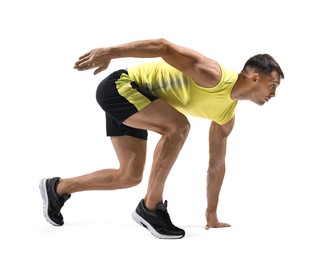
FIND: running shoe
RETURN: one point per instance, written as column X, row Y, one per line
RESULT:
column 157, row 222
column 52, row 202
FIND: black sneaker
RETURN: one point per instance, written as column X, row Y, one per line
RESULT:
column 52, row 202
column 157, row 222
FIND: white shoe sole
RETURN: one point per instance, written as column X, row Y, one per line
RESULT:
column 43, row 191
column 145, row 224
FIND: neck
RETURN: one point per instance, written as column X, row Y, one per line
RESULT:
column 240, row 89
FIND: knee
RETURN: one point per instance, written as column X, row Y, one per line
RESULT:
column 179, row 129
column 130, row 176
column 131, row 181
column 185, row 128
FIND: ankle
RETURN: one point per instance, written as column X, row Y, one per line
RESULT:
column 59, row 188
column 150, row 205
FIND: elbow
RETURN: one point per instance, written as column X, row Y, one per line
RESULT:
column 162, row 41
column 162, row 44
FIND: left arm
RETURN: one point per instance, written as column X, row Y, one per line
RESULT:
column 217, row 145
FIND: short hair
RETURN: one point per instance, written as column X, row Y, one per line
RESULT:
column 264, row 63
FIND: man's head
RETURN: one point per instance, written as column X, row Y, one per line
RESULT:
column 264, row 64
column 264, row 74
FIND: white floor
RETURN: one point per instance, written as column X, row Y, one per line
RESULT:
column 99, row 230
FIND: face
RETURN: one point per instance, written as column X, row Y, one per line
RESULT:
column 265, row 87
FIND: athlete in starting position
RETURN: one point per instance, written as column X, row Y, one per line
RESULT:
column 157, row 96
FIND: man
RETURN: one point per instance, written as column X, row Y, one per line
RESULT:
column 157, row 96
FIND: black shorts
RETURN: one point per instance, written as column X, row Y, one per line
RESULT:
column 120, row 97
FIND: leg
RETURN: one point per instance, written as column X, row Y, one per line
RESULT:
column 131, row 154
column 174, row 127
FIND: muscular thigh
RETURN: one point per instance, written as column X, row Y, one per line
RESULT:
column 131, row 153
column 157, row 116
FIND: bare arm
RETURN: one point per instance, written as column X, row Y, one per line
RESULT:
column 203, row 70
column 217, row 141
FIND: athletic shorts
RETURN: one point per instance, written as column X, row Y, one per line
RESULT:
column 120, row 97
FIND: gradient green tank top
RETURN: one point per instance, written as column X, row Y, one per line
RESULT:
column 181, row 91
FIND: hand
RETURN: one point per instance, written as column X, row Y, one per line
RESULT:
column 96, row 58
column 213, row 222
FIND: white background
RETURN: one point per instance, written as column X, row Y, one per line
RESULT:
column 51, row 125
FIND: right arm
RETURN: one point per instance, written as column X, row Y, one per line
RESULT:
column 204, row 71
column 101, row 57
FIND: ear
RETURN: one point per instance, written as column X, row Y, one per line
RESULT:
column 254, row 77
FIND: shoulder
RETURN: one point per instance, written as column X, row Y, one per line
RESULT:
column 208, row 73
column 222, row 131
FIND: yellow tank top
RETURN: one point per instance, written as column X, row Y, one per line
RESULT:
column 181, row 92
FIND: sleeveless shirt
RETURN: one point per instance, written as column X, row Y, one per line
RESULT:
column 182, row 92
